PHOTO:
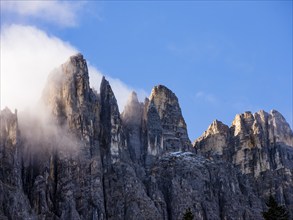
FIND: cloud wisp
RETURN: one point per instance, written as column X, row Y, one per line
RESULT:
column 206, row 97
column 28, row 55
column 120, row 89
column 61, row 13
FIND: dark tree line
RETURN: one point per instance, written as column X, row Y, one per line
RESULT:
column 275, row 212
column 188, row 215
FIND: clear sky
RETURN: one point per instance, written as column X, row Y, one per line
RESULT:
column 220, row 58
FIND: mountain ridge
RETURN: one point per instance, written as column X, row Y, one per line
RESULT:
column 82, row 159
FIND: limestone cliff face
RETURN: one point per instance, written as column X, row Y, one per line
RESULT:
column 164, row 127
column 260, row 145
column 62, row 175
column 215, row 139
column 212, row 189
column 77, row 157
column 124, row 193
column 12, row 198
column 174, row 129
column 112, row 139
column 70, row 99
column 252, row 137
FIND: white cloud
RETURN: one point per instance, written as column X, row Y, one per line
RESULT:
column 120, row 89
column 28, row 55
column 59, row 12
column 206, row 97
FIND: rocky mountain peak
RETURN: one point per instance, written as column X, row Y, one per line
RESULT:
column 108, row 101
column 217, row 127
column 131, row 102
column 9, row 131
column 67, row 90
column 172, row 122
column 252, row 137
column 112, row 134
column 217, row 138
column 135, row 165
column 241, row 121
column 261, row 117
column 133, row 97
column 280, row 130
column 132, row 118
column 107, row 95
column 162, row 96
column 261, row 124
column 77, row 59
column 133, row 110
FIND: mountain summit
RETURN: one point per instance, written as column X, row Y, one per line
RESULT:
column 79, row 158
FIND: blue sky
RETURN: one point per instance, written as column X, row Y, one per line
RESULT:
column 220, row 58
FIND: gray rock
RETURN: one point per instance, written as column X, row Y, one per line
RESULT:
column 14, row 204
column 76, row 157
column 211, row 189
column 261, row 146
column 174, row 128
column 132, row 118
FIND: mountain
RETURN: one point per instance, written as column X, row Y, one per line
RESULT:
column 76, row 157
column 260, row 145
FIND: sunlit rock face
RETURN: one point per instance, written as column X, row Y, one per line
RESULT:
column 214, row 140
column 70, row 99
column 260, row 145
column 63, row 177
column 165, row 128
column 251, row 137
column 76, row 157
column 174, row 129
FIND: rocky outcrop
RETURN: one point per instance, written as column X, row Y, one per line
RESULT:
column 12, row 197
column 211, row 189
column 124, row 192
column 112, row 136
column 77, row 157
column 174, row 129
column 260, row 145
column 252, row 137
column 215, row 140
column 62, row 171
column 164, row 127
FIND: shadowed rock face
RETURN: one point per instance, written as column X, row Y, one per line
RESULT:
column 77, row 157
column 212, row 189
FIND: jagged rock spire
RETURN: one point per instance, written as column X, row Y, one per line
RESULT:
column 67, row 88
column 102, row 182
column 133, row 110
column 215, row 139
column 175, row 137
column 112, row 137
column 132, row 118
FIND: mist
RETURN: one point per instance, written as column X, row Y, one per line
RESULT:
column 41, row 133
column 28, row 55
